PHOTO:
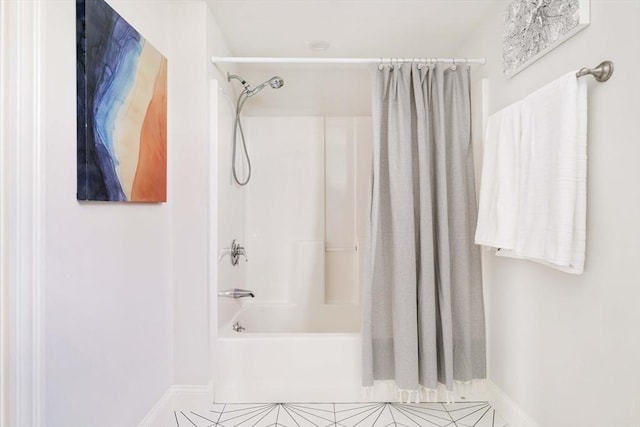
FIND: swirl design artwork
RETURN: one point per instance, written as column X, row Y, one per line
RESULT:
column 533, row 26
column 121, row 109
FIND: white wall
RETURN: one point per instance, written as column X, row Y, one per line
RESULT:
column 190, row 192
column 209, row 210
column 566, row 348
column 107, row 273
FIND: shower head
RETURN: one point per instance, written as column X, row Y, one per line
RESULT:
column 275, row 82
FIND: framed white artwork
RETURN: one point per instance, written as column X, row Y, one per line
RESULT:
column 532, row 28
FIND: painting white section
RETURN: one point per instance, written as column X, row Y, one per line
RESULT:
column 130, row 117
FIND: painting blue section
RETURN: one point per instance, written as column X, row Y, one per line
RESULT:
column 85, row 165
column 119, row 71
column 107, row 49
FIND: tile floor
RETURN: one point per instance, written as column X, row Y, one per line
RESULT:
column 467, row 414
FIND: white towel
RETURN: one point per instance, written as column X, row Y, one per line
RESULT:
column 533, row 188
column 497, row 211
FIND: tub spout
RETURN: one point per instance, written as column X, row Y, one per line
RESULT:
column 236, row 293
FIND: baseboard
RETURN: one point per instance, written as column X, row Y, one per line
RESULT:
column 160, row 413
column 509, row 410
column 192, row 396
column 177, row 397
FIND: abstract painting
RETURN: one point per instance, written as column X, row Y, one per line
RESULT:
column 121, row 109
column 532, row 28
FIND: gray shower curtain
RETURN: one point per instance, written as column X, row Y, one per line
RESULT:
column 423, row 316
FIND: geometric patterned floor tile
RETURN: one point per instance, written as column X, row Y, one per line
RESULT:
column 474, row 414
column 467, row 414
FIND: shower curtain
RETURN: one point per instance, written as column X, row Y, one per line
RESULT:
column 423, row 315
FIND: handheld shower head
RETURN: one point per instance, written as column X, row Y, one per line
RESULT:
column 275, row 82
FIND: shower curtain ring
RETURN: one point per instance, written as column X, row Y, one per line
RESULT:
column 381, row 65
column 454, row 66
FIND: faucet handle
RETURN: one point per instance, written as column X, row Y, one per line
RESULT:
column 240, row 250
column 234, row 251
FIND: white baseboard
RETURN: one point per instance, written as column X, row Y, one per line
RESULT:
column 160, row 413
column 509, row 410
column 192, row 396
column 177, row 397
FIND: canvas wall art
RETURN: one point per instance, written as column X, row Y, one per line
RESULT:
column 532, row 28
column 121, row 109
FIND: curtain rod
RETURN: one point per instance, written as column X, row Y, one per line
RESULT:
column 384, row 61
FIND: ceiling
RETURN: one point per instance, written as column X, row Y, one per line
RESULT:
column 353, row 28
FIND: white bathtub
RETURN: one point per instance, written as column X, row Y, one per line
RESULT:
column 287, row 354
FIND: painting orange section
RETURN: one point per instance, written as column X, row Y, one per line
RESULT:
column 150, row 182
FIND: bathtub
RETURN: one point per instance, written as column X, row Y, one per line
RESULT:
column 287, row 354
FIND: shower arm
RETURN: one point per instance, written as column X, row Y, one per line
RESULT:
column 251, row 92
column 240, row 79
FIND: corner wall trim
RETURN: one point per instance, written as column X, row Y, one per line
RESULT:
column 177, row 397
column 22, row 217
column 508, row 409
